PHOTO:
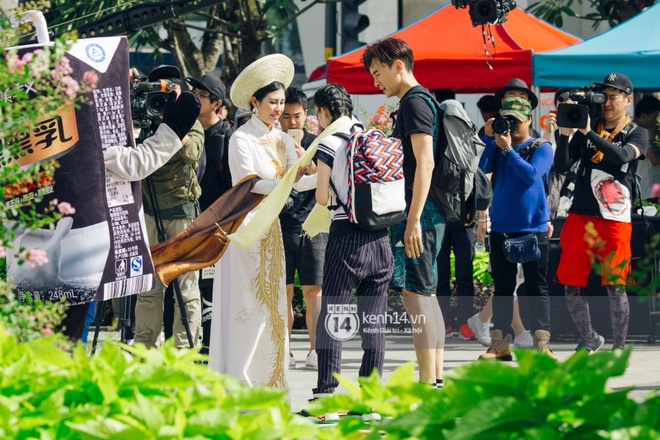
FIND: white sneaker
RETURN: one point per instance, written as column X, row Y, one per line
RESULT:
column 367, row 417
column 292, row 362
column 312, row 360
column 332, row 417
column 524, row 340
column 481, row 330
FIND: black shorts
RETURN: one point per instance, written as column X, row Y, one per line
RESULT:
column 306, row 255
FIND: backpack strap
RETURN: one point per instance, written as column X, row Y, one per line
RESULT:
column 346, row 137
column 437, row 115
column 528, row 152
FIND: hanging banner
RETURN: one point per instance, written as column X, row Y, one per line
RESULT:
column 100, row 251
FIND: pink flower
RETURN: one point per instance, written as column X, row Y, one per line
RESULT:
column 312, row 124
column 48, row 331
column 14, row 63
column 71, row 86
column 655, row 190
column 91, row 78
column 34, row 257
column 65, row 208
column 3, row 251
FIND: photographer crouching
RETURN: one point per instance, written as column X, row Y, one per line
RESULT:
column 598, row 228
column 167, row 160
column 519, row 216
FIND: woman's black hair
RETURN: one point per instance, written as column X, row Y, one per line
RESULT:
column 265, row 90
column 335, row 99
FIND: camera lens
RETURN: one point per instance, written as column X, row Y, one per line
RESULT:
column 500, row 125
column 574, row 115
column 483, row 11
column 157, row 104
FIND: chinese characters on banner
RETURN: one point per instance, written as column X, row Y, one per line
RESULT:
column 100, row 251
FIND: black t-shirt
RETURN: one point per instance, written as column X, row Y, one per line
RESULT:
column 413, row 116
column 293, row 222
column 216, row 179
column 604, row 189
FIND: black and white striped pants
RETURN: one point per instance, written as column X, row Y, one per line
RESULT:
column 357, row 261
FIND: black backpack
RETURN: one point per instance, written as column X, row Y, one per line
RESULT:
column 218, row 140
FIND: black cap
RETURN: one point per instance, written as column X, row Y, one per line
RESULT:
column 487, row 104
column 210, row 83
column 515, row 84
column 164, row 71
column 617, row 81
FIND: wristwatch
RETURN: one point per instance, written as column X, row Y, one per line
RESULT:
column 505, row 150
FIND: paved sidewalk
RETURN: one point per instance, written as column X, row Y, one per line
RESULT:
column 644, row 371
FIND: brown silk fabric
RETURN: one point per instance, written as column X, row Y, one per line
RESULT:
column 205, row 240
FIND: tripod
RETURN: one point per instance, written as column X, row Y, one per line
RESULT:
column 162, row 236
column 126, row 307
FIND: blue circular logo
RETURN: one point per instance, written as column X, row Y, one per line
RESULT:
column 136, row 263
column 95, row 53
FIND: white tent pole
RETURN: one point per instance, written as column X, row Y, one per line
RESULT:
column 536, row 113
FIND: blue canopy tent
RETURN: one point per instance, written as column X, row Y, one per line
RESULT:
column 633, row 48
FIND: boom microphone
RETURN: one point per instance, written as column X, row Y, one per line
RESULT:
column 162, row 85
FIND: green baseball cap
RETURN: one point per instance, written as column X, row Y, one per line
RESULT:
column 519, row 108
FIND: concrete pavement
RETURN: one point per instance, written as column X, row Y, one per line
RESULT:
column 643, row 374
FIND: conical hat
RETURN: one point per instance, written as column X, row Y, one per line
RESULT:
column 265, row 70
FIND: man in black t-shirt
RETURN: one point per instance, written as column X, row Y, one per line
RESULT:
column 301, row 253
column 214, row 177
column 598, row 229
column 416, row 242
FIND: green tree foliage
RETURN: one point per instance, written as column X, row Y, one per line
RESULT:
column 611, row 11
column 238, row 31
column 34, row 85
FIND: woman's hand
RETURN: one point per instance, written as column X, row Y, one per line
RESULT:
column 301, row 172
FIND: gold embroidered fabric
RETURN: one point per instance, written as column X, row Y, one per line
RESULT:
column 278, row 147
column 267, row 285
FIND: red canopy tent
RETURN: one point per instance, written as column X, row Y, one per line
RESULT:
column 449, row 52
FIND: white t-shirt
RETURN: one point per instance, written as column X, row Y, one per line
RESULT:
column 332, row 152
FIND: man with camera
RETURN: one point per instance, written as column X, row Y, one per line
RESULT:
column 170, row 195
column 519, row 216
column 598, row 229
column 215, row 178
column 301, row 253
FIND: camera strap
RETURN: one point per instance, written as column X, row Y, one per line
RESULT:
column 527, row 152
column 609, row 137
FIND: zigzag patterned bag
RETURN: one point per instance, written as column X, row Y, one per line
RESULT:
column 376, row 188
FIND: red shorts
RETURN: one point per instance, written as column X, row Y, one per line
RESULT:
column 586, row 240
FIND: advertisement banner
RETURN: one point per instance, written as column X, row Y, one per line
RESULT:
column 100, row 251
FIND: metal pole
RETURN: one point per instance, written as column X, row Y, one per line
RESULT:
column 330, row 30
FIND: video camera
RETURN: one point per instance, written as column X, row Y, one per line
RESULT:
column 587, row 101
column 502, row 124
column 486, row 11
column 148, row 101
